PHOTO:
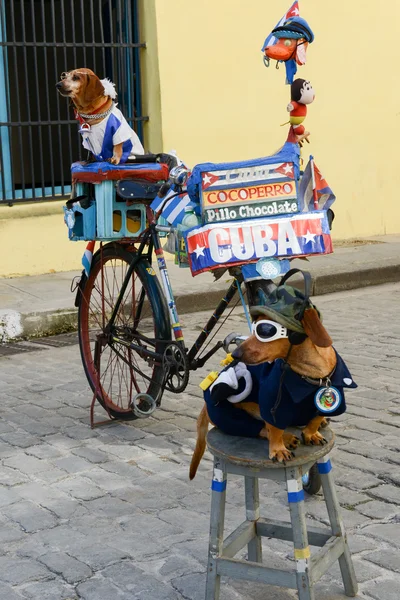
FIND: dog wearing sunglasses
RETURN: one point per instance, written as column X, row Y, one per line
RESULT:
column 105, row 131
column 272, row 384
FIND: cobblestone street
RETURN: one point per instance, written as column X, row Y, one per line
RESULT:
column 109, row 513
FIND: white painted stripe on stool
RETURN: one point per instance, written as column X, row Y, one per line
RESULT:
column 293, row 485
column 218, row 475
column 324, row 459
column 302, row 565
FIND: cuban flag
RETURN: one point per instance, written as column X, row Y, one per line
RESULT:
column 174, row 209
column 88, row 257
column 286, row 169
column 292, row 12
column 158, row 202
column 314, row 190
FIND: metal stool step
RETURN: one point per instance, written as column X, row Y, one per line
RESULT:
column 249, row 457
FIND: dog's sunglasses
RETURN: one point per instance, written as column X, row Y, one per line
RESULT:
column 66, row 74
column 268, row 331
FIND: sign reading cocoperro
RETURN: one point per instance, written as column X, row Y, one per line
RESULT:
column 249, row 192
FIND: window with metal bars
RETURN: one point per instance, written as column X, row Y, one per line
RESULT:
column 39, row 39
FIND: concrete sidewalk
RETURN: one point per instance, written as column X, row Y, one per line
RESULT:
column 43, row 305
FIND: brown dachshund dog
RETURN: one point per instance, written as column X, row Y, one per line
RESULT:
column 314, row 358
column 92, row 96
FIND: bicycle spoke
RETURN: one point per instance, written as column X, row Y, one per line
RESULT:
column 123, row 372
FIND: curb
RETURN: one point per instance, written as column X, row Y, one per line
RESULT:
column 53, row 322
column 351, row 280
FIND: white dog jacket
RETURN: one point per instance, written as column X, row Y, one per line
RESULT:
column 101, row 138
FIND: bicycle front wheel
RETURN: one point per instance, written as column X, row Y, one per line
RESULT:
column 115, row 370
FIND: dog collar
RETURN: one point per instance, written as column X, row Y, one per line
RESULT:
column 324, row 381
column 92, row 116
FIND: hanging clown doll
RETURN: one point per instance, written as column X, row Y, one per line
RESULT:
column 301, row 94
column 288, row 42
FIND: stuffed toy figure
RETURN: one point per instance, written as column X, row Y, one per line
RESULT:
column 301, row 94
column 288, row 43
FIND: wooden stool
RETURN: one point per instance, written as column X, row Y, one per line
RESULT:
column 249, row 457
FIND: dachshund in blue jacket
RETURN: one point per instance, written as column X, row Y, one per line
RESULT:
column 273, row 387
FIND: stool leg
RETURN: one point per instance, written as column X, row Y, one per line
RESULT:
column 333, row 508
column 217, row 517
column 253, row 514
column 300, row 538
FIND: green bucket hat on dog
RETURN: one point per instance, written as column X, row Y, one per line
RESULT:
column 286, row 304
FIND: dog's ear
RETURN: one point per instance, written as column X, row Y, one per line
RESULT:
column 93, row 89
column 315, row 330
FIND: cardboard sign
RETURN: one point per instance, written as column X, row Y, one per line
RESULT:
column 250, row 210
column 226, row 244
column 272, row 187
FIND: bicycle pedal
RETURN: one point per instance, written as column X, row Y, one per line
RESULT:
column 143, row 405
column 233, row 338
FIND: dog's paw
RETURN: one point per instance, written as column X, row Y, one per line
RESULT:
column 291, row 441
column 324, row 423
column 280, row 454
column 313, row 439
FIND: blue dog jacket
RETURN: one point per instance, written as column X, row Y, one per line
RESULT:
column 296, row 406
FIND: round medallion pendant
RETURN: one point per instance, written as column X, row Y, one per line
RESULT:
column 327, row 399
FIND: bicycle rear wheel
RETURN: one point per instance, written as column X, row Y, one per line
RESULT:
column 116, row 371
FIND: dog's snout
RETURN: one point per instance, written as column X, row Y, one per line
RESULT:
column 237, row 353
column 59, row 84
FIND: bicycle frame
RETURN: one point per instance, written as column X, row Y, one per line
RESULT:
column 151, row 238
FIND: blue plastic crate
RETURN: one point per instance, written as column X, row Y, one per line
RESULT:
column 81, row 222
column 113, row 220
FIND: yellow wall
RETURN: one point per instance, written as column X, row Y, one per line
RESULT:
column 151, row 93
column 34, row 240
column 209, row 97
column 218, row 101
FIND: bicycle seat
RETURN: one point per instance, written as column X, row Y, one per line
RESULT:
column 96, row 172
column 129, row 189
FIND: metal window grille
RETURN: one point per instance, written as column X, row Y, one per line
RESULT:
column 39, row 39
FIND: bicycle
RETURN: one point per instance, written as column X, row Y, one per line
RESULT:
column 125, row 318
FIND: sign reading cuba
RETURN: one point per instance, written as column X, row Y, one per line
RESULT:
column 226, row 244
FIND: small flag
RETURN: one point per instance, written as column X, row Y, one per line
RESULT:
column 314, row 187
column 175, row 211
column 158, row 202
column 87, row 257
column 292, row 12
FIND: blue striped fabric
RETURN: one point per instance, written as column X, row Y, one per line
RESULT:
column 175, row 210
